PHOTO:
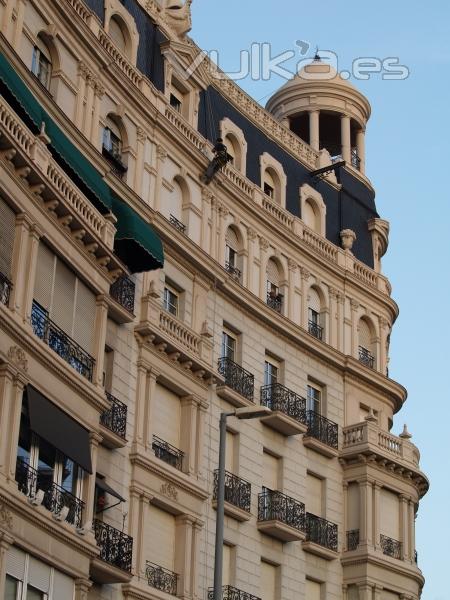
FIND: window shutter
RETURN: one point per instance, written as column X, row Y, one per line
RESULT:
column 353, row 506
column 63, row 586
column 62, row 310
column 314, row 300
column 314, row 495
column 45, row 271
column 167, row 415
column 39, row 575
column 229, row 452
column 390, row 525
column 313, row 591
column 15, row 563
column 83, row 330
column 365, row 339
column 7, row 230
column 268, row 581
column 161, row 537
column 270, row 471
column 232, row 239
column 226, row 561
column 273, row 274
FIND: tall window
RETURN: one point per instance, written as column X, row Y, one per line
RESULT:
column 231, row 253
column 116, row 33
column 313, row 399
column 314, row 317
column 175, row 102
column 171, row 301
column 228, row 346
column 112, row 147
column 41, row 65
column 270, row 373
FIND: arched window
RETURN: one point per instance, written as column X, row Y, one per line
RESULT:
column 274, row 297
column 273, row 179
column 112, row 146
column 313, row 209
column 174, row 197
column 315, row 325
column 234, row 150
column 366, row 345
column 41, row 65
column 269, row 184
column 232, row 258
column 234, row 140
column 116, row 33
column 310, row 216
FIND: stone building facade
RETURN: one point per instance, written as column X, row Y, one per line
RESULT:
column 116, row 361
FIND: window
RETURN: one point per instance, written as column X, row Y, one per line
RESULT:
column 366, row 351
column 228, row 346
column 170, row 301
column 274, row 298
column 270, row 373
column 41, row 65
column 269, row 190
column 231, row 253
column 175, row 103
column 116, row 33
column 313, row 399
column 269, row 581
column 11, row 588
column 236, row 144
column 313, row 590
column 314, row 486
column 112, row 147
column 314, row 314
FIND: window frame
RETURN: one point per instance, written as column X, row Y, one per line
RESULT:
column 39, row 59
column 313, row 402
column 170, row 291
column 226, row 334
column 272, row 371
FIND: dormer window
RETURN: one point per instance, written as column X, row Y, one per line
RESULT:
column 112, row 143
column 175, row 103
column 112, row 147
column 41, row 65
column 269, row 190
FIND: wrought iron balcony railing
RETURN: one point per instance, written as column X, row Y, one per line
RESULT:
column 115, row 418
column 232, row 270
column 322, row 429
column 321, row 532
column 352, row 539
column 118, row 168
column 55, row 499
column 315, row 329
column 5, row 289
column 275, row 506
column 275, row 302
column 177, row 224
column 123, row 291
column 237, row 378
column 366, row 357
column 169, row 454
column 231, row 593
column 161, row 579
column 237, row 491
column 416, row 557
column 278, row 397
column 116, row 548
column 356, row 161
column 60, row 342
column 391, row 547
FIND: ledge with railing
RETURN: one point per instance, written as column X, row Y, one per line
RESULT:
column 315, row 330
column 321, row 532
column 60, row 342
column 167, row 453
column 276, row 506
column 231, row 593
column 181, row 227
column 233, row 271
column 116, row 548
column 115, row 418
column 275, row 302
column 55, row 498
column 161, row 579
column 237, row 491
column 352, row 539
column 366, row 357
column 322, row 429
column 391, row 547
column 237, row 378
column 123, row 292
column 5, row 289
column 278, row 397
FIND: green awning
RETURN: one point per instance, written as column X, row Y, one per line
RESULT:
column 135, row 242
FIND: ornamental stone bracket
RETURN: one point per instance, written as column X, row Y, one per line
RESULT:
column 174, row 15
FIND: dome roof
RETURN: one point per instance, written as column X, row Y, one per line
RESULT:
column 318, row 72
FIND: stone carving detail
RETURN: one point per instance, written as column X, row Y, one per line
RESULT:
column 169, row 490
column 178, row 16
column 348, row 237
column 5, row 517
column 18, row 358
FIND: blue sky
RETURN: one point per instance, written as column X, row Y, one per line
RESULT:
column 408, row 159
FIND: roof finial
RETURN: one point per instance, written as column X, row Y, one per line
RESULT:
column 317, row 55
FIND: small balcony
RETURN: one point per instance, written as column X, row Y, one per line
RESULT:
column 239, row 383
column 315, row 330
column 167, row 453
column 321, row 537
column 116, row 550
column 355, row 159
column 391, row 547
column 118, row 168
column 161, row 579
column 280, row 516
column 231, row 593
column 115, row 422
column 237, row 496
column 322, row 434
column 352, row 540
column 275, row 302
column 288, row 409
column 123, row 292
column 5, row 289
column 179, row 226
column 61, row 503
column 233, row 271
column 60, row 342
column 365, row 357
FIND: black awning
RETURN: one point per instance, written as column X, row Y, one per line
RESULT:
column 58, row 429
column 100, row 483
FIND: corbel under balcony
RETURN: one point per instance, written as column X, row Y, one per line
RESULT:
column 169, row 335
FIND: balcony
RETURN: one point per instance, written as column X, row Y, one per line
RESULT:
column 322, row 434
column 275, row 302
column 118, row 168
column 280, row 516
column 355, row 159
column 365, row 357
column 115, row 421
column 352, row 540
column 5, row 289
column 60, row 342
column 233, row 271
column 116, row 550
column 167, row 453
column 288, row 409
column 321, row 537
column 161, row 579
column 239, row 383
column 391, row 547
column 231, row 593
column 177, row 224
column 237, row 496
column 315, row 330
column 123, row 291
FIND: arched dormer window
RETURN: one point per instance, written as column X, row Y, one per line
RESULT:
column 121, row 29
column 273, row 179
column 233, row 258
column 273, row 280
column 315, row 320
column 112, row 146
column 236, row 144
column 175, row 196
column 366, row 343
column 313, row 209
column 270, row 184
column 119, row 35
column 41, row 65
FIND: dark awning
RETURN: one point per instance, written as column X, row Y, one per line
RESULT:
column 58, row 429
column 100, row 483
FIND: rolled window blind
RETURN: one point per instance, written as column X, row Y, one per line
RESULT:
column 167, row 415
column 314, row 300
column 365, row 339
column 84, row 322
column 39, row 575
column 45, row 271
column 63, row 305
column 7, row 229
column 273, row 274
column 15, row 563
column 232, row 239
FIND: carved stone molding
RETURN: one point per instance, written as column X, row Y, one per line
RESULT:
column 18, row 358
column 169, row 490
column 6, row 519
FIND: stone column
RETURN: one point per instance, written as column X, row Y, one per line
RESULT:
column 384, row 332
column 18, row 25
column 365, row 512
column 361, row 149
column 101, row 322
column 314, row 132
column 33, row 246
column 19, row 383
column 99, row 91
column 205, row 239
column 134, row 525
column 365, row 591
column 140, row 160
column 144, row 501
column 188, row 437
column 183, row 555
column 19, row 263
column 7, row 22
column 404, row 528
column 344, row 510
column 214, row 219
column 223, row 213
column 152, row 376
column 89, row 105
column 378, row 591
column 89, row 494
column 346, row 139
column 354, row 311
column 340, row 321
column 292, row 266
column 305, row 275
column 201, row 416
column 263, row 247
column 376, row 514
column 79, row 109
column 141, row 401
column 6, row 402
column 251, row 235
column 161, row 156
column 333, row 328
column 412, row 528
column 82, row 587
column 5, row 542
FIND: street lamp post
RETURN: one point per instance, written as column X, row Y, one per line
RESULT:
column 251, row 412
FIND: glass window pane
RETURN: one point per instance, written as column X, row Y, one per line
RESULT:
column 46, row 465
column 11, row 588
column 24, row 446
column 313, row 399
column 34, row 594
column 69, row 477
